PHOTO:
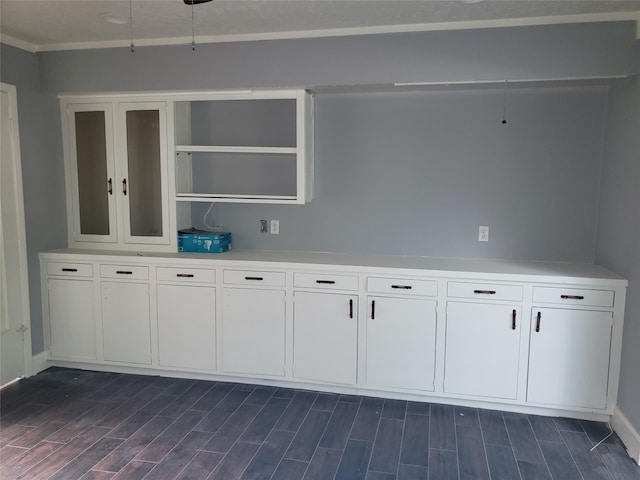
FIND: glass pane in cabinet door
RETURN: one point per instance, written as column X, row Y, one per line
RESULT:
column 91, row 154
column 144, row 187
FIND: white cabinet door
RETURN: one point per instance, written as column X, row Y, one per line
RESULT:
column 325, row 337
column 253, row 331
column 186, row 327
column 482, row 349
column 569, row 357
column 91, row 173
column 71, row 319
column 401, row 343
column 126, row 330
column 142, row 171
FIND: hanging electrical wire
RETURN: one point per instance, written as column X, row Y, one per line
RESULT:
column 131, row 25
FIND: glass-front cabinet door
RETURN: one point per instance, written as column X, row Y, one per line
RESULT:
column 142, row 180
column 92, row 173
column 116, row 162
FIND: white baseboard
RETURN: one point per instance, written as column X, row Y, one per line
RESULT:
column 627, row 433
column 39, row 362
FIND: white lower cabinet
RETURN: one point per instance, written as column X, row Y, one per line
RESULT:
column 126, row 332
column 71, row 319
column 401, row 343
column 290, row 320
column 325, row 337
column 482, row 349
column 187, row 327
column 253, row 331
column 569, row 357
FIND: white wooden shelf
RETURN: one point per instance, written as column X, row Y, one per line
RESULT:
column 236, row 149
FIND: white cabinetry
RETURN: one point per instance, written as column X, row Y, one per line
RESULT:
column 70, row 311
column 291, row 319
column 401, row 334
column 482, row 346
column 570, row 349
column 251, row 147
column 325, row 337
column 116, row 168
column 253, row 323
column 126, row 322
column 186, row 318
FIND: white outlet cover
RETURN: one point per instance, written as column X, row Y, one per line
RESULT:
column 483, row 233
column 274, row 227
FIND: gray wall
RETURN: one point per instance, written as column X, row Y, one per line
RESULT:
column 618, row 245
column 416, row 173
column 42, row 171
column 546, row 52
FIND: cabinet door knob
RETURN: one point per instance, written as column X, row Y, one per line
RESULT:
column 513, row 320
column 538, row 317
column 124, row 186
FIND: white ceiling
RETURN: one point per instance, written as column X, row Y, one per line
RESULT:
column 41, row 25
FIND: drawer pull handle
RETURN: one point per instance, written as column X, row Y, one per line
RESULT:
column 110, row 187
column 185, row 275
column 326, row 282
column 69, row 269
column 373, row 309
column 538, row 317
column 572, row 297
column 402, row 287
column 124, row 272
column 124, row 186
column 513, row 320
column 254, row 278
column 351, row 308
column 485, row 292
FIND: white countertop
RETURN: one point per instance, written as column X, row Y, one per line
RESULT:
column 512, row 270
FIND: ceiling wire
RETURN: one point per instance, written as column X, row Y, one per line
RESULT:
column 504, row 103
column 131, row 25
column 193, row 30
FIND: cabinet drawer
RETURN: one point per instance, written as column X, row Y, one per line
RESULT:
column 573, row 296
column 330, row 281
column 174, row 274
column 402, row 286
column 124, row 271
column 70, row 269
column 251, row 277
column 489, row 291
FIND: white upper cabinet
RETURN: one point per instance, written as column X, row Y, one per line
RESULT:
column 252, row 147
column 116, row 164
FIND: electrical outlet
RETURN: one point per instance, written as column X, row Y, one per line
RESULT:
column 275, row 227
column 483, row 233
column 263, row 226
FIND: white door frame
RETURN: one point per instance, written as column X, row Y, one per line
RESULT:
column 23, row 277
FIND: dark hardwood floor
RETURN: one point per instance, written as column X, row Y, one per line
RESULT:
column 72, row 424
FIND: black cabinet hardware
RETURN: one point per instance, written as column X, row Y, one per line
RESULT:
column 326, row 282
column 402, row 287
column 485, row 292
column 572, row 297
column 69, row 269
column 185, row 275
column 538, row 317
column 124, row 272
column 254, row 278
column 513, row 320
column 351, row 308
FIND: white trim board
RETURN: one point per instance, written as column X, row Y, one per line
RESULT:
column 627, row 433
column 39, row 363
